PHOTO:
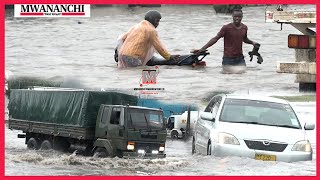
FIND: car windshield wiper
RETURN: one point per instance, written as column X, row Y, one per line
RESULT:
column 253, row 122
column 288, row 126
column 277, row 125
column 244, row 122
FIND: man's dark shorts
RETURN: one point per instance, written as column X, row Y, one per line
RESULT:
column 234, row 61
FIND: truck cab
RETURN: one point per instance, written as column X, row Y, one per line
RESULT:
column 177, row 125
column 129, row 131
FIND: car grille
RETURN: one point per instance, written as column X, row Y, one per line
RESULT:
column 266, row 145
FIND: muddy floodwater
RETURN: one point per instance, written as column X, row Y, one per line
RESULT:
column 80, row 52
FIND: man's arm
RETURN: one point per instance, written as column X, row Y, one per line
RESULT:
column 248, row 41
column 210, row 43
column 158, row 45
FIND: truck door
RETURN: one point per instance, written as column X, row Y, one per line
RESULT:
column 115, row 125
column 102, row 121
column 170, row 123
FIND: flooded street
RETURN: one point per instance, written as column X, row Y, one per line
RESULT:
column 179, row 161
column 80, row 51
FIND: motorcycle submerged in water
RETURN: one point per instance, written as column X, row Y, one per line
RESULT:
column 193, row 59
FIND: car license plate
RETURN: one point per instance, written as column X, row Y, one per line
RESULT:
column 265, row 157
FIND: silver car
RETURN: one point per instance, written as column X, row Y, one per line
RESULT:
column 262, row 128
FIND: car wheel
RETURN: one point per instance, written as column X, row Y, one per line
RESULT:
column 193, row 146
column 209, row 149
column 101, row 153
column 33, row 144
column 174, row 134
column 46, row 145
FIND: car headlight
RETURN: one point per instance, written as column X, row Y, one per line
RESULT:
column 304, row 146
column 224, row 138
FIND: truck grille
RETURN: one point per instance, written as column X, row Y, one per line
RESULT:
column 147, row 147
column 266, row 145
column 148, row 135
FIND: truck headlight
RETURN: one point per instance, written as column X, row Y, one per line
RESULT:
column 224, row 138
column 154, row 152
column 161, row 148
column 303, row 146
column 130, row 146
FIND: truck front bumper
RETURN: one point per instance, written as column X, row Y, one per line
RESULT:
column 143, row 155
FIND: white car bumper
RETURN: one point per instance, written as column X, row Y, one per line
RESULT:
column 243, row 151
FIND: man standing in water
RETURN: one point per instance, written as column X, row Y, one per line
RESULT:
column 234, row 34
column 137, row 46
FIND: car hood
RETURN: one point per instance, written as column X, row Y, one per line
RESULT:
column 253, row 131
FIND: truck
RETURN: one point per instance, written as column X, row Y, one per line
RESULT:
column 98, row 123
column 303, row 18
column 178, row 124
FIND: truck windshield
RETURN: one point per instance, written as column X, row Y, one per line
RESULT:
column 145, row 119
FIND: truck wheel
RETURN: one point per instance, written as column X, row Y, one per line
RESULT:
column 33, row 144
column 101, row 153
column 119, row 154
column 46, row 145
column 193, row 146
column 174, row 135
column 61, row 144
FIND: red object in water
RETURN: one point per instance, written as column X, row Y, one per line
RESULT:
column 201, row 63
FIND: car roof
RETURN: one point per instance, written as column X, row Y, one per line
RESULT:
column 256, row 98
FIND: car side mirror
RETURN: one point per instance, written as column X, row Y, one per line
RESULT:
column 309, row 126
column 207, row 116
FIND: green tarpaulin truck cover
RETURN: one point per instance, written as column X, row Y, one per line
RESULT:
column 78, row 108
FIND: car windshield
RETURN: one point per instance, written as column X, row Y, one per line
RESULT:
column 145, row 119
column 259, row 112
